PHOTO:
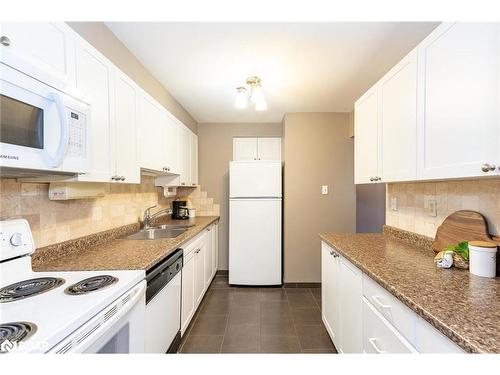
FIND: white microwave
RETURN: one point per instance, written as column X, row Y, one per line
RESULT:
column 41, row 128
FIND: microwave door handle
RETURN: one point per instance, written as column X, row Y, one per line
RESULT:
column 64, row 127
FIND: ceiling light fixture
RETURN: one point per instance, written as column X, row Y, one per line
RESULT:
column 254, row 93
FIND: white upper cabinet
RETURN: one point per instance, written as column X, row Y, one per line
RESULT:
column 458, row 128
column 398, row 121
column 172, row 164
column 435, row 115
column 152, row 134
column 93, row 78
column 124, row 131
column 269, row 148
column 366, row 150
column 43, row 50
column 193, row 147
column 184, row 154
column 266, row 148
column 244, row 148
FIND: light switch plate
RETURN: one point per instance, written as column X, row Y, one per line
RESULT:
column 432, row 208
column 394, row 203
column 324, row 189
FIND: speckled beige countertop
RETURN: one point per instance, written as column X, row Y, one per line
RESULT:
column 464, row 307
column 107, row 251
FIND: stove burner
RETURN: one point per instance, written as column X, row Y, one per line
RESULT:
column 15, row 332
column 29, row 288
column 91, row 284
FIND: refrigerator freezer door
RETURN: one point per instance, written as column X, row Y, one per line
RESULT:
column 254, row 179
column 255, row 241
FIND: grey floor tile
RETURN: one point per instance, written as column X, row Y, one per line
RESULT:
column 209, row 325
column 202, row 344
column 220, row 283
column 221, row 294
column 313, row 337
column 242, row 338
column 273, row 294
column 246, row 297
column 214, row 306
column 274, row 308
column 244, row 315
column 277, row 325
column 279, row 344
column 306, row 315
column 297, row 290
column 301, row 300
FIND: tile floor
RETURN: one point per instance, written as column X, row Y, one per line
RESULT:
column 257, row 320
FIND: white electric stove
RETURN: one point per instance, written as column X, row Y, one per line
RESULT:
column 62, row 312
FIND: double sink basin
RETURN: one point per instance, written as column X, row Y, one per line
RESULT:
column 159, row 232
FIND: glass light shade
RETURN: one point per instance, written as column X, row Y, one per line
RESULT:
column 261, row 105
column 241, row 100
column 257, row 94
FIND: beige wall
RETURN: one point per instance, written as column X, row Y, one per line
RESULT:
column 215, row 151
column 481, row 195
column 317, row 151
column 103, row 39
column 56, row 221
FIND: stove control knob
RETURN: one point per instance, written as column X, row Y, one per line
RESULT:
column 16, row 239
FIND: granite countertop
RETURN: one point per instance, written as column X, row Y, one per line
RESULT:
column 107, row 251
column 464, row 307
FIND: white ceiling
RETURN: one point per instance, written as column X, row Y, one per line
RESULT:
column 305, row 67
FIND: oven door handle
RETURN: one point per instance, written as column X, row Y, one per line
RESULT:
column 64, row 128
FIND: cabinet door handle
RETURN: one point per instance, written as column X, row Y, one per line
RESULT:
column 372, row 179
column 373, row 343
column 197, row 251
column 488, row 167
column 122, row 178
column 4, row 41
column 382, row 305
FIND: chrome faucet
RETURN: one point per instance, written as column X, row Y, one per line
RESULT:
column 148, row 217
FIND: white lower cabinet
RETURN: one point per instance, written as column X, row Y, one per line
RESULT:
column 188, row 307
column 329, row 293
column 363, row 317
column 380, row 337
column 197, row 272
column 350, row 310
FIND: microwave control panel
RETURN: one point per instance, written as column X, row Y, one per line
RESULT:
column 77, row 134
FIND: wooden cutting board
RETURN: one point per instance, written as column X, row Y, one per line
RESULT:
column 462, row 226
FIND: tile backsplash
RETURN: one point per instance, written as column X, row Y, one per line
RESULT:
column 56, row 221
column 414, row 199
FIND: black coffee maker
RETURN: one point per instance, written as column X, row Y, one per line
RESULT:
column 180, row 210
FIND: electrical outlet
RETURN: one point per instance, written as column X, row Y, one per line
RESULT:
column 394, row 203
column 324, row 189
column 432, row 208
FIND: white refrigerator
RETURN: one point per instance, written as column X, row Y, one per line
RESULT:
column 255, row 223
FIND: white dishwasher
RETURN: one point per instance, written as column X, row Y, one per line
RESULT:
column 163, row 305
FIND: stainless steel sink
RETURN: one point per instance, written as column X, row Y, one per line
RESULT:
column 155, row 233
column 174, row 226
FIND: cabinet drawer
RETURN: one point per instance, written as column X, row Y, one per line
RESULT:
column 430, row 340
column 379, row 336
column 396, row 313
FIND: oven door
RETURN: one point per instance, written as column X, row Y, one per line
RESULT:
column 40, row 128
column 119, row 328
